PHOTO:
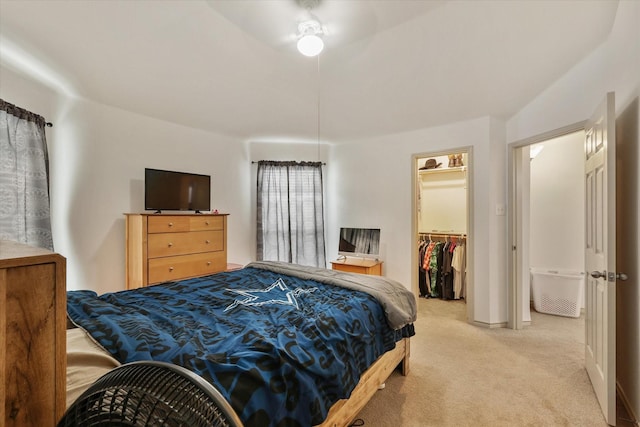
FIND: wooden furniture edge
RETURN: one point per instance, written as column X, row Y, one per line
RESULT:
column 176, row 213
column 343, row 412
column 358, row 262
column 358, row 265
column 3, row 342
column 13, row 254
column 18, row 255
column 224, row 228
column 61, row 336
column 135, row 251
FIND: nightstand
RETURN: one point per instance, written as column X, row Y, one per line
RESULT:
column 358, row 265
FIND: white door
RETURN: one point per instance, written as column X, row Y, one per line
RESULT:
column 600, row 327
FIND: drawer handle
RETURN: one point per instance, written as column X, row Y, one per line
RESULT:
column 206, row 223
column 170, row 224
column 207, row 241
column 170, row 268
column 208, row 262
column 170, row 244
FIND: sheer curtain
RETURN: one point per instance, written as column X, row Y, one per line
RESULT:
column 290, row 213
column 24, row 178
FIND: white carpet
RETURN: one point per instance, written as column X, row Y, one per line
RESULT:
column 464, row 375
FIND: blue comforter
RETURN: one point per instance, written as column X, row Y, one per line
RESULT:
column 281, row 349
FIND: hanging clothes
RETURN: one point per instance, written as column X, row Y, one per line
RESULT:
column 459, row 264
column 447, row 271
column 438, row 275
column 422, row 273
column 434, row 269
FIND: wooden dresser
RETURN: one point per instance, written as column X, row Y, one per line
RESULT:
column 163, row 247
column 358, row 265
column 32, row 336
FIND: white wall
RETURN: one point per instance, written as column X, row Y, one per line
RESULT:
column 371, row 185
column 614, row 66
column 557, row 220
column 496, row 301
column 521, row 211
column 98, row 155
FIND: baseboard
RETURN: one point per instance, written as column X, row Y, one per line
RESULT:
column 490, row 325
column 627, row 405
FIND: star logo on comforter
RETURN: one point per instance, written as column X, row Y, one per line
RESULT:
column 276, row 293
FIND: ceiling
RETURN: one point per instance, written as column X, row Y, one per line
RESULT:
column 231, row 67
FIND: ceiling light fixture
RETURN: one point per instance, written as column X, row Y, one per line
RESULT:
column 310, row 42
column 534, row 150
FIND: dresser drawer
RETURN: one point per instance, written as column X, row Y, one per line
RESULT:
column 201, row 223
column 163, row 247
column 183, row 266
column 168, row 224
column 169, row 244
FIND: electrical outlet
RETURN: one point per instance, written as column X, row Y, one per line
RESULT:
column 500, row 209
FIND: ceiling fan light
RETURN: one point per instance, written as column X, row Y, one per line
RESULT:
column 310, row 45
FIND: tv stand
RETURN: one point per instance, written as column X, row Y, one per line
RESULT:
column 358, row 265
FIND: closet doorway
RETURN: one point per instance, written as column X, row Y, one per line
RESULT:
column 442, row 263
column 548, row 228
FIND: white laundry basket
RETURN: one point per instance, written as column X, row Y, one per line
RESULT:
column 557, row 292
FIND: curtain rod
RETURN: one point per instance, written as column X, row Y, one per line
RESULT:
column 252, row 162
column 14, row 110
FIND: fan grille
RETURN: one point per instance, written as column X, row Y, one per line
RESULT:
column 150, row 394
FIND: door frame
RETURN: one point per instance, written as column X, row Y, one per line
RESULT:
column 515, row 285
column 468, row 150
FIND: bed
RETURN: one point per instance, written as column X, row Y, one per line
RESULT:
column 286, row 345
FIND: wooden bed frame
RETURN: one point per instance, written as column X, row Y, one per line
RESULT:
column 344, row 411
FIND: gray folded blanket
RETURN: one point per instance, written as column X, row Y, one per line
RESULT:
column 399, row 303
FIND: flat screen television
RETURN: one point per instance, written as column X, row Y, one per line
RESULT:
column 364, row 242
column 176, row 191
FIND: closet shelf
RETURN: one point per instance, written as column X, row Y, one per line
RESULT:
column 443, row 170
column 443, row 233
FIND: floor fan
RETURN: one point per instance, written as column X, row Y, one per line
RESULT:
column 145, row 394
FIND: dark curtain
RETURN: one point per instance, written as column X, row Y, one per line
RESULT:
column 24, row 178
column 290, row 218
